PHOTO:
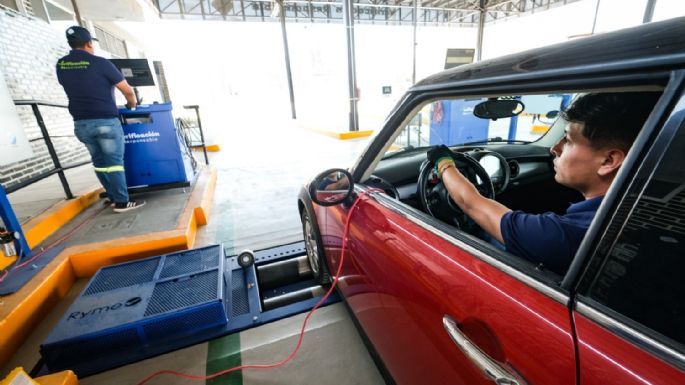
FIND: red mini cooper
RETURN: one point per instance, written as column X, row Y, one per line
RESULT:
column 438, row 303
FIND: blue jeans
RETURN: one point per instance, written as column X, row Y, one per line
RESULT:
column 104, row 139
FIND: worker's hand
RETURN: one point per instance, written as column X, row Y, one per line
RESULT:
column 131, row 106
column 442, row 158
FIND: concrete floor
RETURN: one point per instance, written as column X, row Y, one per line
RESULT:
column 260, row 169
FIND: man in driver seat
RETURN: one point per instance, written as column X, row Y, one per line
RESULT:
column 601, row 128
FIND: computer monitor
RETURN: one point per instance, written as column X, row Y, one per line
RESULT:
column 136, row 71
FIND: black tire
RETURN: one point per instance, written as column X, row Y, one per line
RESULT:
column 314, row 248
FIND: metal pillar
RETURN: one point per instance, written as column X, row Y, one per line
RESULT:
column 416, row 22
column 594, row 22
column 287, row 59
column 77, row 13
column 348, row 17
column 481, row 26
column 649, row 11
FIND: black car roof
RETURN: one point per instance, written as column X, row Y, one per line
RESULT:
column 651, row 46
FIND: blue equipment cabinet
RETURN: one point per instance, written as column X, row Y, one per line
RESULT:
column 153, row 153
column 455, row 123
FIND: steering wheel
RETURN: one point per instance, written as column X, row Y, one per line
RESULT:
column 437, row 202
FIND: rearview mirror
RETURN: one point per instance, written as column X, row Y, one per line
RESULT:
column 331, row 187
column 552, row 114
column 498, row 108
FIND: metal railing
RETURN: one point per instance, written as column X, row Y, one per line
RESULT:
column 57, row 166
column 194, row 130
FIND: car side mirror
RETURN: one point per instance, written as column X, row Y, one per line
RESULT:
column 331, row 187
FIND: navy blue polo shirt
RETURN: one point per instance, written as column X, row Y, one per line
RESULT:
column 548, row 239
column 89, row 83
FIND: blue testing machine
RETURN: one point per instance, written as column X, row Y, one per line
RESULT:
column 154, row 154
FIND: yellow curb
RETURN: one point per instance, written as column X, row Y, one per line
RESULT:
column 66, row 377
column 343, row 135
column 37, row 229
column 354, row 134
column 204, row 206
column 19, row 376
column 22, row 311
column 210, row 148
column 6, row 261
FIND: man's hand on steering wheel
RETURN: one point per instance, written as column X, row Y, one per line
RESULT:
column 442, row 157
column 437, row 200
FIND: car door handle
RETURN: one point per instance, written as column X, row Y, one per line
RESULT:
column 492, row 369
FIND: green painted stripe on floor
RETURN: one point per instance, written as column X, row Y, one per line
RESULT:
column 224, row 353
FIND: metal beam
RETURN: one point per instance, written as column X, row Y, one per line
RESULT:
column 202, row 9
column 413, row 73
column 481, row 27
column 594, row 21
column 348, row 18
column 649, row 11
column 287, row 59
column 435, row 12
column 77, row 13
column 161, row 10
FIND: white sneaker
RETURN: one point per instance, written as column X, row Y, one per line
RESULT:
column 128, row 206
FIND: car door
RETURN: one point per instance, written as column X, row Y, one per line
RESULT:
column 419, row 289
column 630, row 311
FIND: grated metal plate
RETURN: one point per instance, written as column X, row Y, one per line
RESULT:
column 183, row 292
column 171, row 328
column 241, row 304
column 190, row 262
column 129, row 274
column 129, row 311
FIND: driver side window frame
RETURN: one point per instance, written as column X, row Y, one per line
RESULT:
column 506, row 261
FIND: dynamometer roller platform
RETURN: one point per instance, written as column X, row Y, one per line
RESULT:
column 136, row 310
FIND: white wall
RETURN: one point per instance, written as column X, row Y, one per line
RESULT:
column 29, row 49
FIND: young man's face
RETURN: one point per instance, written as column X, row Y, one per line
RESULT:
column 576, row 162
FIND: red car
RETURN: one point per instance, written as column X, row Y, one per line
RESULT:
column 438, row 303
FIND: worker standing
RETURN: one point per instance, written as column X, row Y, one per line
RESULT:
column 89, row 83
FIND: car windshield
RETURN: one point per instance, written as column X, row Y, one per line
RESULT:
column 453, row 122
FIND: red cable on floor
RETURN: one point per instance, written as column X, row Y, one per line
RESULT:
column 52, row 245
column 304, row 324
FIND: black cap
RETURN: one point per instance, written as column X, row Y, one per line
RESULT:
column 76, row 34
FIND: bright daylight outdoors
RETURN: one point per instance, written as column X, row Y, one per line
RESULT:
column 235, row 71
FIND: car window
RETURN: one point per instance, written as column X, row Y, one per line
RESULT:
column 453, row 122
column 641, row 278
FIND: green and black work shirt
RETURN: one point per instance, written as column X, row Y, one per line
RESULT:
column 89, row 82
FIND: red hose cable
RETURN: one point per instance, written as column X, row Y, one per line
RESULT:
column 52, row 245
column 304, row 324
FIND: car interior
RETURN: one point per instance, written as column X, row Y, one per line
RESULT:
column 503, row 146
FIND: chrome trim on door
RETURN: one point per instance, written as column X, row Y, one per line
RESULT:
column 641, row 340
column 491, row 368
column 387, row 202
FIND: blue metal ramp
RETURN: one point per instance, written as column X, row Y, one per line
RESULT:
column 136, row 310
